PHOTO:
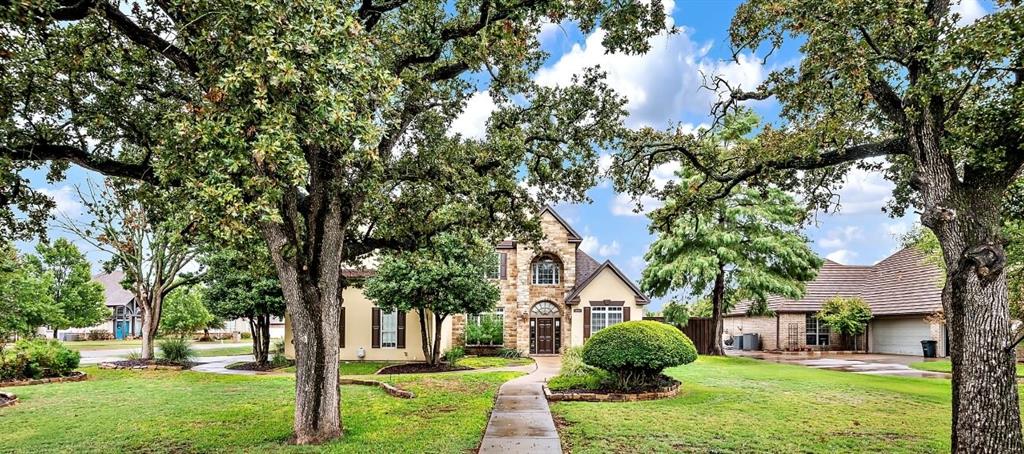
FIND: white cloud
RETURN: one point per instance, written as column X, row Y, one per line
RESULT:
column 472, row 122
column 843, row 256
column 591, row 245
column 969, row 11
column 66, row 199
column 838, row 238
column 897, row 229
column 660, row 85
column 864, row 191
column 624, row 205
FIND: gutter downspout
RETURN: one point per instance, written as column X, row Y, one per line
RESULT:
column 778, row 324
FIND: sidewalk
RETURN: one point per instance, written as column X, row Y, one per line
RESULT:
column 521, row 420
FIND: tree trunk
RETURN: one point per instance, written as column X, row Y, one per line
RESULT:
column 717, row 299
column 151, row 305
column 260, row 338
column 428, row 353
column 266, row 336
column 55, row 333
column 438, row 321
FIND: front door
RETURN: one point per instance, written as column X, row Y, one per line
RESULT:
column 545, row 336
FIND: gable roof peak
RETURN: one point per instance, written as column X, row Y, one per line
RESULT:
column 573, row 235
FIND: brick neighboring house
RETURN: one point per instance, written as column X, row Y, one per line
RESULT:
column 904, row 292
column 551, row 298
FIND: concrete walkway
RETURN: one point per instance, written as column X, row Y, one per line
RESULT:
column 521, row 420
column 861, row 363
column 219, row 365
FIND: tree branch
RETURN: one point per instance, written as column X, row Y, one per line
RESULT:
column 107, row 166
column 148, row 39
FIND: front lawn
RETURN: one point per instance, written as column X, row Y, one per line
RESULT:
column 483, row 362
column 221, row 351
column 746, row 405
column 946, row 366
column 161, row 411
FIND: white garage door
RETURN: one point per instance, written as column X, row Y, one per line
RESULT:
column 901, row 336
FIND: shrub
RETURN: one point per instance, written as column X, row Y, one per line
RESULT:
column 37, row 358
column 134, row 355
column 572, row 363
column 636, row 352
column 278, row 359
column 99, row 335
column 487, row 331
column 593, row 380
column 177, row 350
column 510, row 353
column 453, row 355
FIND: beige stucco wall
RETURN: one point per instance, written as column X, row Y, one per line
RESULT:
column 358, row 333
column 606, row 286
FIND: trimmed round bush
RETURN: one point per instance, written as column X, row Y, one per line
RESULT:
column 636, row 352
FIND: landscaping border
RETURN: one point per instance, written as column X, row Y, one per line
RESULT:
column 9, row 399
column 146, row 367
column 77, row 376
column 390, row 389
column 662, row 393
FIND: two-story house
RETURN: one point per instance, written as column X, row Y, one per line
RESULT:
column 551, row 298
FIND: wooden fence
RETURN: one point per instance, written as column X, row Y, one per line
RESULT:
column 700, row 330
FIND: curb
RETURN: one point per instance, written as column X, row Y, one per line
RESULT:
column 81, row 376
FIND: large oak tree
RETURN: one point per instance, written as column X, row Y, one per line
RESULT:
column 903, row 87
column 322, row 126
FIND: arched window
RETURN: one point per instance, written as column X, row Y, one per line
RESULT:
column 546, row 271
column 545, row 309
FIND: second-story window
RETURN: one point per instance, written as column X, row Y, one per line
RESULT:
column 546, row 271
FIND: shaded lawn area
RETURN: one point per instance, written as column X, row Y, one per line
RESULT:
column 946, row 366
column 222, row 351
column 483, row 362
column 746, row 405
column 163, row 411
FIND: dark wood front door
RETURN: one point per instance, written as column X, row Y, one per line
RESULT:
column 545, row 336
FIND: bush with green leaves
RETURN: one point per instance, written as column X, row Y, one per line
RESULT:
column 177, row 350
column 37, row 358
column 847, row 316
column 488, row 330
column 576, row 374
column 454, row 355
column 278, row 359
column 636, row 352
column 510, row 353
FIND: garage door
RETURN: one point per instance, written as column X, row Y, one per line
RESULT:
column 901, row 336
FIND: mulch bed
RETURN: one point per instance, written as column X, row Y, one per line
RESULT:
column 253, row 366
column 75, row 376
column 151, row 364
column 419, row 368
column 7, row 399
column 665, row 387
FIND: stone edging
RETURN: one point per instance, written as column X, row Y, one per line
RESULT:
column 146, row 367
column 390, row 389
column 78, row 377
column 663, row 393
column 10, row 399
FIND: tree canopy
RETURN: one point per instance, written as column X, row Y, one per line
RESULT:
column 78, row 299
column 25, row 299
column 848, row 316
column 447, row 277
column 184, row 312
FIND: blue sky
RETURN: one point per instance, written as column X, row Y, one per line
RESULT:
column 663, row 88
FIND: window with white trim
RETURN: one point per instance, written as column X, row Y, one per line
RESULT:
column 546, row 272
column 604, row 316
column 389, row 329
column 817, row 331
column 495, row 272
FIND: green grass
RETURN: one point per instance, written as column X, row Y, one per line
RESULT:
column 103, row 345
column 482, row 362
column 946, row 366
column 361, row 367
column 745, row 405
column 161, row 411
column 225, row 351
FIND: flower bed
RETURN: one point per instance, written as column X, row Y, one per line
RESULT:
column 419, row 368
column 390, row 389
column 7, row 399
column 74, row 376
column 574, row 395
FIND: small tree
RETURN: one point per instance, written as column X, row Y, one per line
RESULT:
column 676, row 314
column 846, row 316
column 78, row 300
column 25, row 301
column 243, row 283
column 446, row 277
column 184, row 312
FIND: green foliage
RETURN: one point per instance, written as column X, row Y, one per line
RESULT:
column 25, row 299
column 37, row 358
column 176, row 350
column 637, row 351
column 447, row 276
column 453, row 355
column 487, row 330
column 78, row 299
column 676, row 314
column 184, row 312
column 847, row 316
column 241, row 282
column 594, row 379
column 278, row 359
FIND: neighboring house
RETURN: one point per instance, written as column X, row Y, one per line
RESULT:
column 904, row 292
column 551, row 298
column 125, row 315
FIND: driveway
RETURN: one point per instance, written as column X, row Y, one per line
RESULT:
column 105, row 356
column 861, row 363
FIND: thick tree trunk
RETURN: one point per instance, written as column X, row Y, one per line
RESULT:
column 438, row 321
column 259, row 327
column 717, row 300
column 151, row 306
column 428, row 353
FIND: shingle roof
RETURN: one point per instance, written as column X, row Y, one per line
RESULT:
column 585, row 266
column 903, row 283
column 113, row 293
